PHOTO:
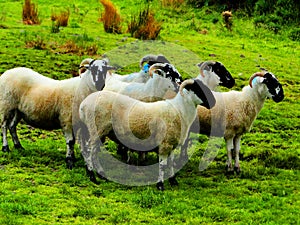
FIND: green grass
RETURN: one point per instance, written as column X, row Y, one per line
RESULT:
column 36, row 187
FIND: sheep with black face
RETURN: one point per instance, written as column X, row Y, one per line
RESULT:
column 235, row 112
column 41, row 102
column 164, row 124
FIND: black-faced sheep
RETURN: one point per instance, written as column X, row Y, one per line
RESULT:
column 235, row 112
column 41, row 102
column 163, row 124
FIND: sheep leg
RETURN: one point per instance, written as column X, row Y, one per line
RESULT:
column 5, row 147
column 94, row 159
column 172, row 179
column 237, row 147
column 13, row 131
column 163, row 162
column 70, row 156
column 184, row 147
column 229, row 148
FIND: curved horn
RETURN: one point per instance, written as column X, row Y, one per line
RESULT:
column 154, row 58
column 82, row 66
column 203, row 65
column 258, row 74
column 184, row 83
column 154, row 67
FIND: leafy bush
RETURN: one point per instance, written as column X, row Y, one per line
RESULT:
column 273, row 14
column 111, row 18
column 145, row 27
column 295, row 34
column 30, row 13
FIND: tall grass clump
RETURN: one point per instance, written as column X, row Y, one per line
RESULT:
column 145, row 27
column 30, row 13
column 111, row 18
column 59, row 20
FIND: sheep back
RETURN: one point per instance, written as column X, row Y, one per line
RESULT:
column 240, row 111
column 37, row 98
column 134, row 123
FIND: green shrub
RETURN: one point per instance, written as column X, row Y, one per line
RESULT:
column 295, row 34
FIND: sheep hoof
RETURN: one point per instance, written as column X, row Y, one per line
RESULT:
column 229, row 170
column 173, row 181
column 160, row 186
column 102, row 176
column 5, row 148
column 70, row 161
column 19, row 146
column 91, row 175
column 237, row 170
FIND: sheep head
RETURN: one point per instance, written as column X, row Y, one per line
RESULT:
column 200, row 90
column 217, row 69
column 84, row 65
column 166, row 70
column 99, row 70
column 151, row 59
column 275, row 90
column 258, row 74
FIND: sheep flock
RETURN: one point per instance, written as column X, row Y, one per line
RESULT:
column 151, row 110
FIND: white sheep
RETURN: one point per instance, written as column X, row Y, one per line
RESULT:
column 41, row 102
column 143, row 126
column 165, row 80
column 142, row 76
column 235, row 112
column 213, row 74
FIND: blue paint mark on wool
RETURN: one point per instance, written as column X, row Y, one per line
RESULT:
column 146, row 68
column 254, row 81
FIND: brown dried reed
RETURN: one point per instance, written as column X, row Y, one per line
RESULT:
column 30, row 13
column 145, row 27
column 61, row 19
column 111, row 18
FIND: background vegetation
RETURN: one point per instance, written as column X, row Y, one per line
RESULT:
column 35, row 186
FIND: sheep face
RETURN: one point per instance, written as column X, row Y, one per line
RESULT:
column 99, row 69
column 275, row 90
column 224, row 75
column 215, row 74
column 168, row 71
column 203, row 93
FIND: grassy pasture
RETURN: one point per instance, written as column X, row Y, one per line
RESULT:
column 35, row 186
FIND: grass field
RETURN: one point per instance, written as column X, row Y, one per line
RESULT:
column 37, row 188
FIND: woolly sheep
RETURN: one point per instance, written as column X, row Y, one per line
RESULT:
column 40, row 101
column 171, row 117
column 213, row 74
column 142, row 76
column 154, row 89
column 235, row 112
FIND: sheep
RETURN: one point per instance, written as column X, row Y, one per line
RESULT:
column 154, row 89
column 145, row 63
column 235, row 112
column 41, row 102
column 213, row 74
column 110, row 114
